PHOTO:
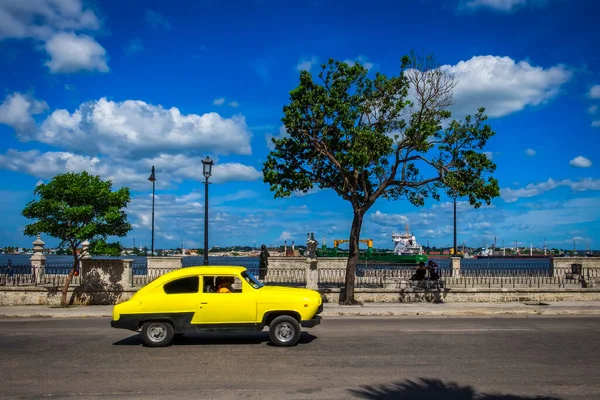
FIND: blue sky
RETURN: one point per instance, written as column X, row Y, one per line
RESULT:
column 116, row 87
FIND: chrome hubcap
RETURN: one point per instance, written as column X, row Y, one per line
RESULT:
column 285, row 332
column 157, row 332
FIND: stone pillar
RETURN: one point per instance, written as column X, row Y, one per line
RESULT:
column 455, row 267
column 85, row 250
column 127, row 277
column 38, row 260
column 312, row 274
column 85, row 254
column 312, row 270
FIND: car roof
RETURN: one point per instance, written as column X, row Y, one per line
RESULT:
column 212, row 269
column 205, row 270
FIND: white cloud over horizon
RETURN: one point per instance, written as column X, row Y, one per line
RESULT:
column 502, row 85
column 362, row 60
column 71, row 53
column 122, row 140
column 503, row 6
column 130, row 173
column 534, row 189
column 17, row 111
column 136, row 127
column 55, row 23
column 594, row 92
column 282, row 133
column 306, row 64
column 580, row 162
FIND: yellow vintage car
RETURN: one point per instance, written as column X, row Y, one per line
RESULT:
column 224, row 298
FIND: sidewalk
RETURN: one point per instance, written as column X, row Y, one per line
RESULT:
column 368, row 309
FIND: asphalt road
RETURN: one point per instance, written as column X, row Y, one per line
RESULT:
column 345, row 358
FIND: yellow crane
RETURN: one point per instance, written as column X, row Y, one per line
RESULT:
column 368, row 242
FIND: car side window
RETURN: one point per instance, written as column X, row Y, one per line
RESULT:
column 224, row 284
column 183, row 285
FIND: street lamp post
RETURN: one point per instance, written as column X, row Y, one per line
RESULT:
column 455, row 226
column 207, row 164
column 152, row 179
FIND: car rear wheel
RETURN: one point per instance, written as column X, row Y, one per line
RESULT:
column 157, row 333
column 284, row 331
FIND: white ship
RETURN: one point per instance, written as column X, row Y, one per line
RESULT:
column 406, row 243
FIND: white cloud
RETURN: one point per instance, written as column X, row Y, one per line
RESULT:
column 235, row 196
column 596, row 123
column 55, row 23
column 478, row 225
column 285, row 235
column 46, row 165
column 594, row 92
column 40, row 19
column 308, row 192
column 489, row 155
column 221, row 100
column 502, row 85
column 135, row 127
column 282, row 133
column 361, row 60
column 580, row 162
column 126, row 172
column 388, row 219
column 193, row 196
column 307, row 64
column 71, row 53
column 157, row 20
column 235, row 172
column 530, row 152
column 178, row 166
column 593, row 109
column 535, row 189
column 16, row 111
column 506, row 6
column 552, row 215
column 135, row 46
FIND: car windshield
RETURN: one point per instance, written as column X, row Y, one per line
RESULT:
column 256, row 284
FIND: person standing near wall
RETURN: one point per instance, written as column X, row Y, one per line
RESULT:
column 263, row 262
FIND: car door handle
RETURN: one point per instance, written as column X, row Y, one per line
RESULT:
column 203, row 302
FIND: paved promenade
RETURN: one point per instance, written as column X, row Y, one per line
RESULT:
column 368, row 309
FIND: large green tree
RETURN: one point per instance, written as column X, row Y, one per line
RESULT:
column 75, row 208
column 388, row 137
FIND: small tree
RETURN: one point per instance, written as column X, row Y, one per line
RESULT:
column 365, row 139
column 99, row 247
column 75, row 208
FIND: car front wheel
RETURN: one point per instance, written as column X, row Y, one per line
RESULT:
column 157, row 333
column 284, row 331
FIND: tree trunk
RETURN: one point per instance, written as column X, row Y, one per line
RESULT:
column 348, row 298
column 65, row 289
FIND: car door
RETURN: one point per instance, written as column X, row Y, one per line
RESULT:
column 238, row 307
column 179, row 296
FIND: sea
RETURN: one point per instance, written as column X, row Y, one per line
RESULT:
column 252, row 262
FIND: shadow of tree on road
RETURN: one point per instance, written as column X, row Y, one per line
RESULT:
column 426, row 389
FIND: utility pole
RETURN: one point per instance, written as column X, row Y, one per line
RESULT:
column 152, row 179
column 454, row 226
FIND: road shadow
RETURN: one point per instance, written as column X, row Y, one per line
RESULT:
column 426, row 389
column 215, row 339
